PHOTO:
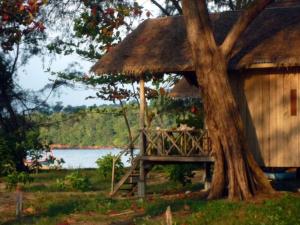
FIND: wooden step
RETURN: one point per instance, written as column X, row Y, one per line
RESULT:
column 134, row 175
column 125, row 189
column 134, row 165
column 130, row 182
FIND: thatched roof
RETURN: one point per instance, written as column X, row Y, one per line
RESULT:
column 160, row 45
column 185, row 88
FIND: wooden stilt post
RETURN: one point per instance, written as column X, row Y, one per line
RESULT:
column 142, row 178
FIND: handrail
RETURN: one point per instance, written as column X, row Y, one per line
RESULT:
column 117, row 157
column 181, row 141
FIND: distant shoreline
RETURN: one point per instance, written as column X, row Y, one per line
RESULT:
column 67, row 147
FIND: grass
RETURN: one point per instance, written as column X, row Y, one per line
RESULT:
column 284, row 210
column 46, row 204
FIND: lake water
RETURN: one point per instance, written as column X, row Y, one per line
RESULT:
column 85, row 158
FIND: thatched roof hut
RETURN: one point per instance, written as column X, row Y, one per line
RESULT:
column 160, row 45
column 185, row 88
column 264, row 73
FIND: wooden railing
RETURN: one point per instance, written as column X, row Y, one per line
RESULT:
column 177, row 142
column 127, row 150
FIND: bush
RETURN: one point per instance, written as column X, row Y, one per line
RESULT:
column 105, row 165
column 15, row 178
column 60, row 184
column 78, row 181
column 55, row 163
column 7, row 168
column 181, row 173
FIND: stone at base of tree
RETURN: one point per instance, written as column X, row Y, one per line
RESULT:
column 19, row 202
column 169, row 219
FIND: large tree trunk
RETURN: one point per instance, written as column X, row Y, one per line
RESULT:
column 236, row 172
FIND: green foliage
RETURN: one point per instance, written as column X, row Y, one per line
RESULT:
column 15, row 178
column 7, row 164
column 14, row 147
column 35, row 156
column 60, row 184
column 105, row 125
column 19, row 20
column 77, row 181
column 54, row 207
column 102, row 126
column 181, row 172
column 105, row 165
column 20, row 25
column 55, row 163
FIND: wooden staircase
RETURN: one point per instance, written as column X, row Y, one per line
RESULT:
column 129, row 181
column 129, row 178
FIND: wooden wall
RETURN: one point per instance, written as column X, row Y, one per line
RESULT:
column 264, row 99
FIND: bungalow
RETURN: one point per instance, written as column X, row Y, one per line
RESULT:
column 264, row 72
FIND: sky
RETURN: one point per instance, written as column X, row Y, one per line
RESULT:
column 33, row 75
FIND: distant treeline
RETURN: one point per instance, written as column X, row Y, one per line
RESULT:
column 86, row 126
column 105, row 125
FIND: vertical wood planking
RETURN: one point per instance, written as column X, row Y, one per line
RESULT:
column 273, row 119
column 272, row 132
column 266, row 119
column 286, row 121
column 293, row 134
column 259, row 117
column 253, row 91
column 280, row 130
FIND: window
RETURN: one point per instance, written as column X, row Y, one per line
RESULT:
column 293, row 99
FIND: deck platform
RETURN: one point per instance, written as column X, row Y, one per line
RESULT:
column 177, row 159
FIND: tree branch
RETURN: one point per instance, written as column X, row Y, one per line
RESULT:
column 206, row 23
column 231, row 5
column 241, row 25
column 13, row 68
column 177, row 6
column 160, row 7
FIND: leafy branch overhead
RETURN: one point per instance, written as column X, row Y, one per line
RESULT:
column 20, row 21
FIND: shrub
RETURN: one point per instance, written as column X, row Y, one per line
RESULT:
column 7, row 168
column 55, row 163
column 60, row 184
column 35, row 155
column 78, row 181
column 15, row 178
column 181, row 173
column 105, row 165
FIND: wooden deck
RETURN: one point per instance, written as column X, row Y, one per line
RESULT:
column 175, row 159
column 164, row 146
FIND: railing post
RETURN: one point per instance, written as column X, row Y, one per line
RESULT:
column 142, row 178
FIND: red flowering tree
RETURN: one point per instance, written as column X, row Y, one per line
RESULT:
column 20, row 26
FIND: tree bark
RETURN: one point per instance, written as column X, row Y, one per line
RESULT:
column 236, row 172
